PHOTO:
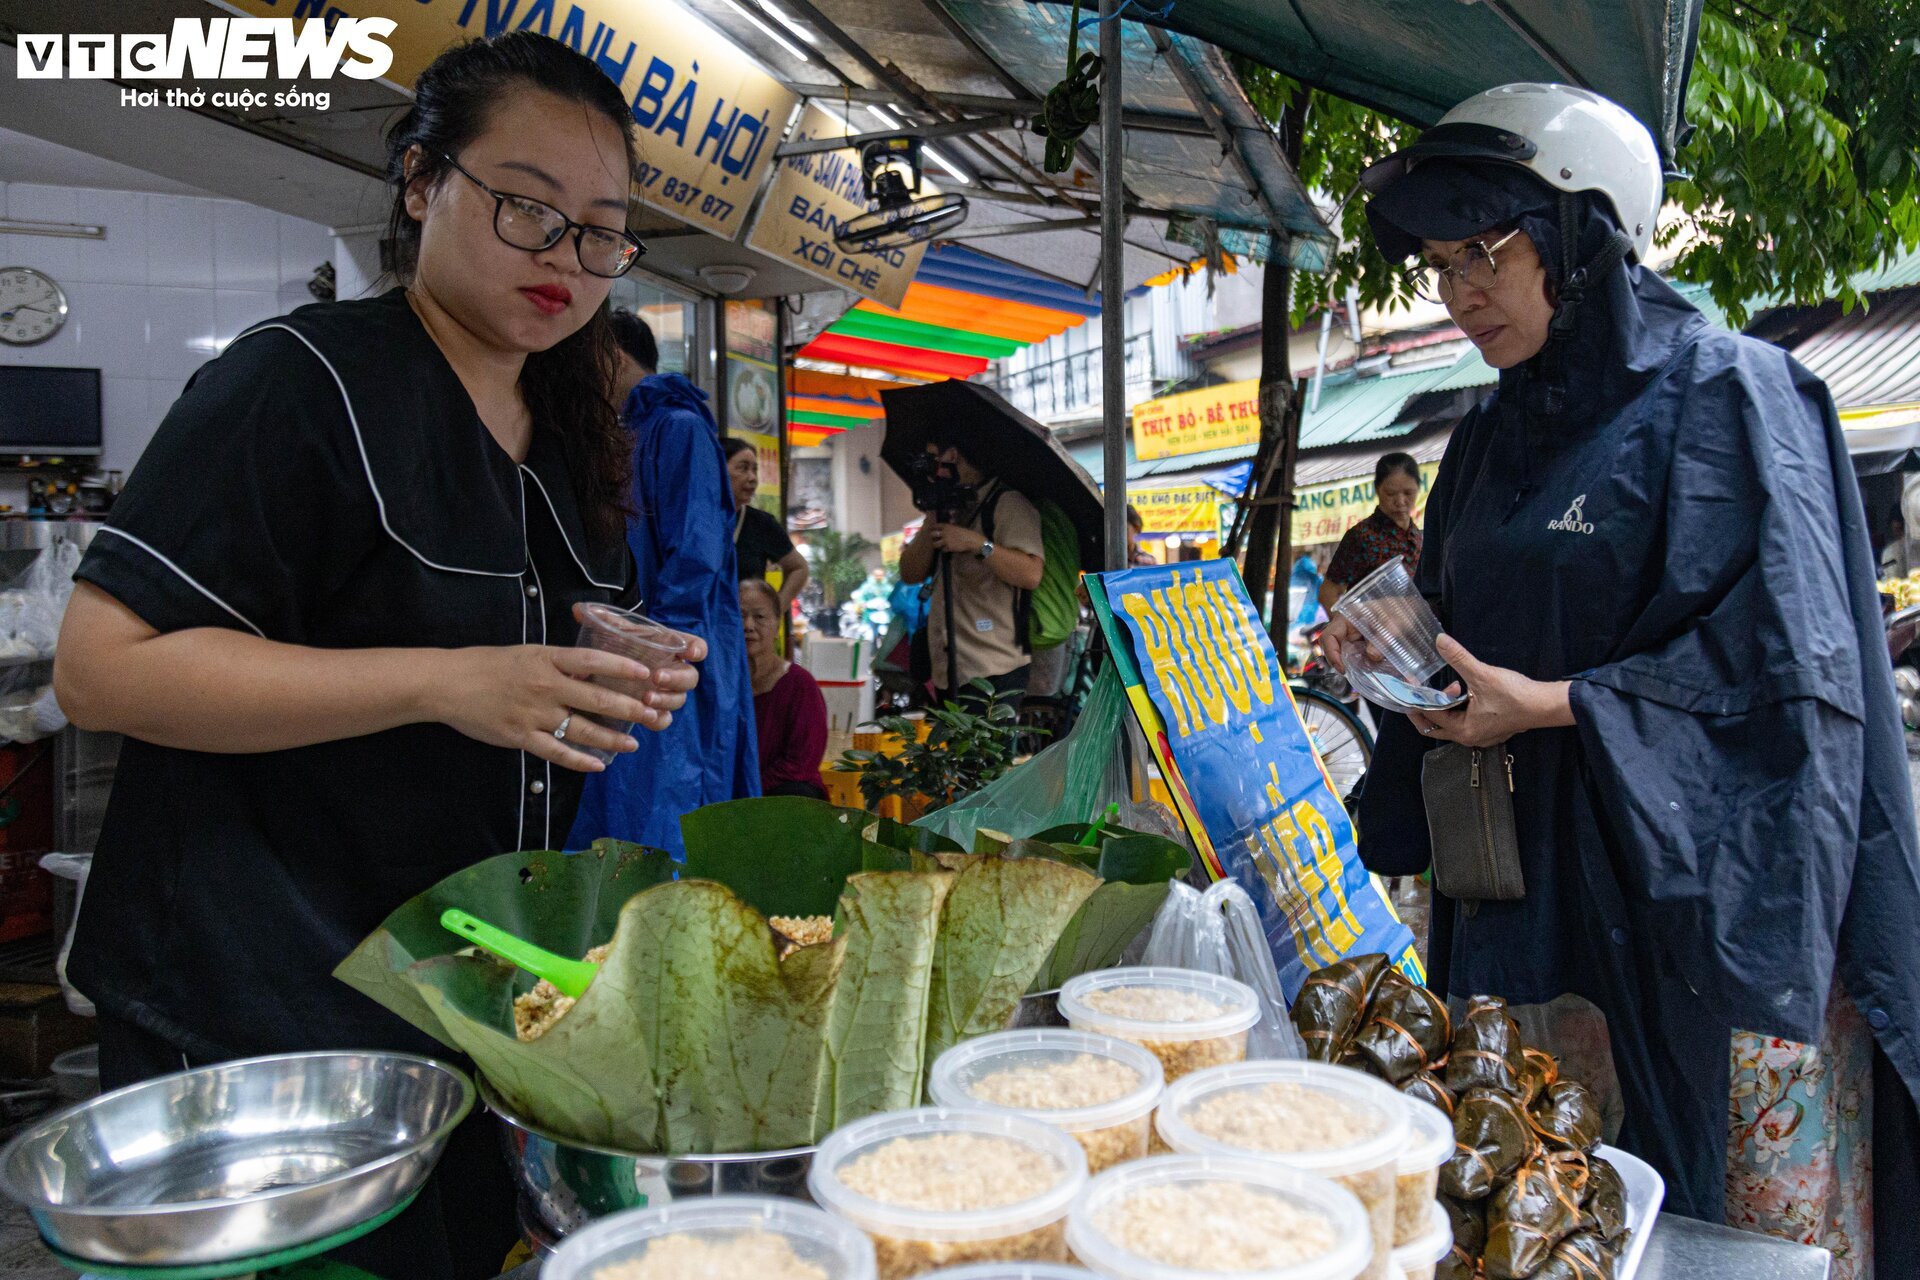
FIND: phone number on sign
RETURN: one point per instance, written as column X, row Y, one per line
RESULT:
column 667, row 189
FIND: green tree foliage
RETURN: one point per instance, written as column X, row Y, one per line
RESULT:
column 1803, row 166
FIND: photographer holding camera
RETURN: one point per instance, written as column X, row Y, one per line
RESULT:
column 982, row 545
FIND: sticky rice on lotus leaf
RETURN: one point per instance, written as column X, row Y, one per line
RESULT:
column 1527, row 1217
column 1492, row 1137
column 1427, row 1087
column 1581, row 1256
column 1568, row 1116
column 1406, row 1029
column 1332, row 1005
column 1486, row 1052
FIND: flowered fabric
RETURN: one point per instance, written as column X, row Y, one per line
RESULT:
column 1370, row 544
column 1799, row 1143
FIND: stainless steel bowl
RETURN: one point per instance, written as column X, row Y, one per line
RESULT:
column 238, row 1160
column 564, row 1184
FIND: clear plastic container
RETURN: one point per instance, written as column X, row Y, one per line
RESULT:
column 1395, row 619
column 1419, row 1257
column 1203, row 1217
column 1429, row 1144
column 631, row 636
column 761, row 1236
column 1188, row 1019
column 1111, row 1130
column 1355, row 1137
column 940, row 1186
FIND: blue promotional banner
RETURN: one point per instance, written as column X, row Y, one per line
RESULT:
column 1209, row 692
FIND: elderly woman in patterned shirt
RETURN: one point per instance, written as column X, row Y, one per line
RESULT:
column 1388, row 532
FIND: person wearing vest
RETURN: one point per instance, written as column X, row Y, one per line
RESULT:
column 995, row 556
column 333, row 613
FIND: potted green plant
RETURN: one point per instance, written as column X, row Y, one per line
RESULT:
column 964, row 750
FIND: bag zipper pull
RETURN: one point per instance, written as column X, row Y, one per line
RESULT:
column 1476, row 769
column 1509, row 772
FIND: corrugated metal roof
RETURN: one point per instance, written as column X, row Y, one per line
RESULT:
column 1903, row 272
column 1871, row 357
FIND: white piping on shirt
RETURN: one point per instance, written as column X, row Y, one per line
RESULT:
column 184, row 576
column 546, row 790
column 604, row 586
column 366, row 463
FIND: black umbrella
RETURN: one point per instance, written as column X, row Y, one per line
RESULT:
column 1000, row 440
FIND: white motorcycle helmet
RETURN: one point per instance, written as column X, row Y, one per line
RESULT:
column 1571, row 139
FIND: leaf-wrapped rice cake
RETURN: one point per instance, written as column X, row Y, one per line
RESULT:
column 1581, row 1256
column 1430, row 1089
column 1486, row 1051
column 1604, row 1202
column 1491, row 1137
column 1525, row 1218
column 1568, row 1116
column 1467, row 1218
column 1332, row 1004
column 1406, row 1029
column 1537, row 1071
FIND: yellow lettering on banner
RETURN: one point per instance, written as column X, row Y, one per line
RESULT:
column 1326, row 858
column 1228, row 663
column 1252, row 661
column 1158, row 656
column 1201, row 658
column 1305, row 915
column 1268, row 861
column 1178, row 647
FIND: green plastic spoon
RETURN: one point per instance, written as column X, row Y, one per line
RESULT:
column 571, row 977
column 1111, row 812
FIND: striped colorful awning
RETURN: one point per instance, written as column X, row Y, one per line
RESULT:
column 824, row 404
column 962, row 310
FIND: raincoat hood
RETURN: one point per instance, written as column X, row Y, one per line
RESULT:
column 661, row 392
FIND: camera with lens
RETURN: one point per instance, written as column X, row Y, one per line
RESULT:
column 935, row 488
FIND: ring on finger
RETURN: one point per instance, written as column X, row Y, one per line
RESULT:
column 560, row 734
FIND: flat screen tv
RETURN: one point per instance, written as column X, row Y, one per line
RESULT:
column 48, row 410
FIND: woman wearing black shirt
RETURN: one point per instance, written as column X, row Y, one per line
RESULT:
column 332, row 611
column 759, row 539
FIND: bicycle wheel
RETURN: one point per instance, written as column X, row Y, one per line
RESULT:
column 1345, row 746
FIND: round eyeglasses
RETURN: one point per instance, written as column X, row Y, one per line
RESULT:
column 534, row 225
column 1474, row 264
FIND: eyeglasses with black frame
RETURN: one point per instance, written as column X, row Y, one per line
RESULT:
column 534, row 225
column 1473, row 263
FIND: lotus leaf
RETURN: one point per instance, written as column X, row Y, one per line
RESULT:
column 1581, row 1256
column 1605, row 1201
column 1430, row 1089
column 1567, row 1116
column 695, row 1036
column 1537, row 1071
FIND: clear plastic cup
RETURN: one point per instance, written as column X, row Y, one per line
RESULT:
column 1099, row 1089
column 1205, row 1021
column 630, row 635
column 1396, row 619
column 1429, row 1143
column 724, row 1235
column 1419, row 1257
column 1332, row 1121
column 1206, row 1217
column 939, row 1186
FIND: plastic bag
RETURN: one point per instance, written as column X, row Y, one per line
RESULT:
column 74, row 867
column 1219, row 932
column 1073, row 780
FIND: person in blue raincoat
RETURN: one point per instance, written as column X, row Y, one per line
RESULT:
column 682, row 541
column 1648, row 552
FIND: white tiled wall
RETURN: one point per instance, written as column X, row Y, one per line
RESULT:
column 175, row 279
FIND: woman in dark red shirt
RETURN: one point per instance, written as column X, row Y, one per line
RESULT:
column 1388, row 532
column 788, row 711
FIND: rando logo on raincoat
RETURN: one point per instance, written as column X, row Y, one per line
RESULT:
column 1571, row 522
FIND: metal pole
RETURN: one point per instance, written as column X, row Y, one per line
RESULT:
column 1113, row 303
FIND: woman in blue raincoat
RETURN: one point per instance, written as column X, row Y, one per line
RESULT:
column 682, row 543
column 1648, row 551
